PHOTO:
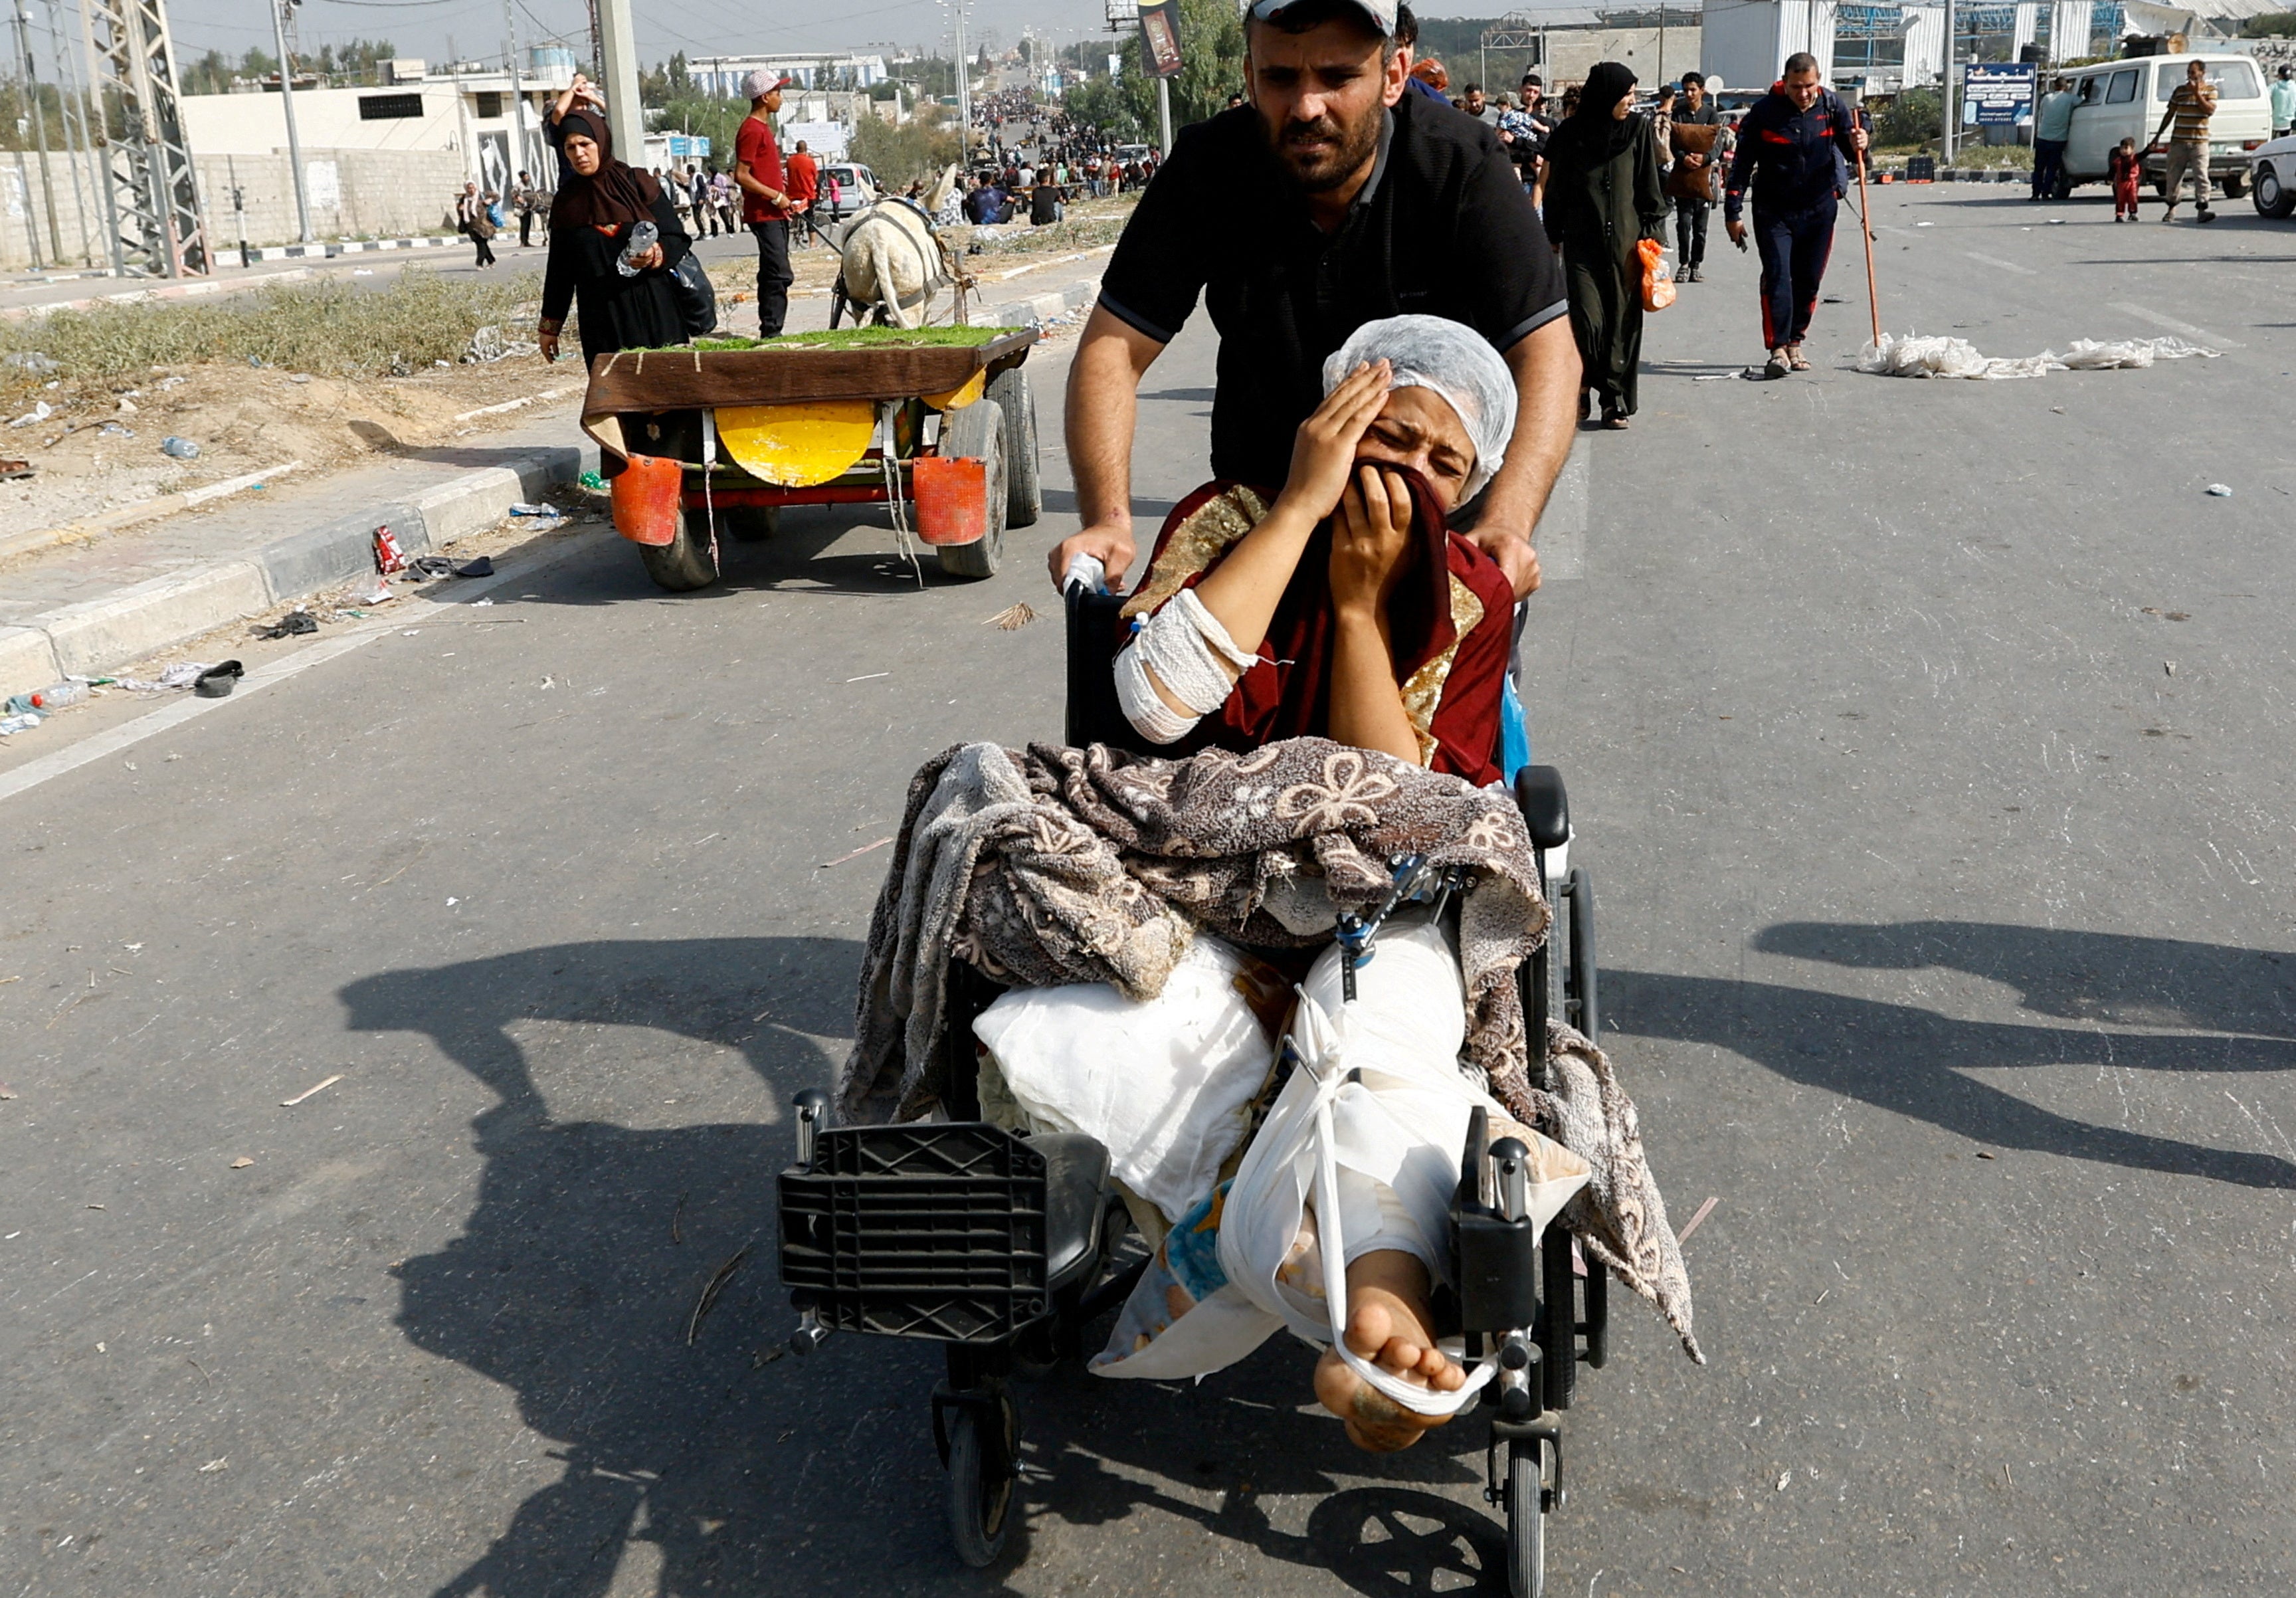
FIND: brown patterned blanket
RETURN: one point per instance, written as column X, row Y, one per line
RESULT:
column 1098, row 865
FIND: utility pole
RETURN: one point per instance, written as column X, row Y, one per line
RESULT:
column 287, row 105
column 39, row 127
column 1661, row 41
column 617, row 42
column 1945, row 85
column 67, row 92
column 518, row 162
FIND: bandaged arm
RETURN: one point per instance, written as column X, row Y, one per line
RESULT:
column 1216, row 633
column 1179, row 667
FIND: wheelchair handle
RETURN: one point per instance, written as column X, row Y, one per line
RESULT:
column 1510, row 1161
column 812, row 1108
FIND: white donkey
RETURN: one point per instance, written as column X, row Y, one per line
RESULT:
column 895, row 262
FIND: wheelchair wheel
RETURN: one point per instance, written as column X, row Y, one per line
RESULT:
column 981, row 1500
column 1582, row 1008
column 1526, row 1500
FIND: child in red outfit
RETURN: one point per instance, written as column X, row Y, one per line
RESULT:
column 2124, row 166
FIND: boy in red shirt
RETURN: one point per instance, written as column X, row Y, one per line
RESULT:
column 765, row 199
column 2124, row 166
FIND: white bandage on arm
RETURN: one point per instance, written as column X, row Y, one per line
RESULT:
column 1183, row 646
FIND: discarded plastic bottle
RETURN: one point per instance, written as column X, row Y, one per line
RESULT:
column 181, row 449
column 643, row 237
column 55, row 696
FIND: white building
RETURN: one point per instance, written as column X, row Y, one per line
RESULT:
column 723, row 74
column 467, row 114
column 1745, row 43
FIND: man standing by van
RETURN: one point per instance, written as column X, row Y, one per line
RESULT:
column 2052, row 130
column 2283, row 102
column 2190, row 107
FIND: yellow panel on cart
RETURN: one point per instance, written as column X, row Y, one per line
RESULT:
column 963, row 395
column 797, row 445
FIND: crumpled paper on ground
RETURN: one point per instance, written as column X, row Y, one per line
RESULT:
column 1939, row 356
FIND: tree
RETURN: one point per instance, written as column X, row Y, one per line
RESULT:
column 1212, row 68
column 903, row 154
column 1102, row 103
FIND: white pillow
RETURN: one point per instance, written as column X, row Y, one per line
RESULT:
column 1165, row 1085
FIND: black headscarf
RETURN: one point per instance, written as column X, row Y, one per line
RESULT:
column 613, row 196
column 1607, row 83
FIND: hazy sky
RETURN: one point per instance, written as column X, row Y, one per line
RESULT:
column 423, row 27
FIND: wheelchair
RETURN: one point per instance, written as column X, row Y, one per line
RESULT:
column 1006, row 1247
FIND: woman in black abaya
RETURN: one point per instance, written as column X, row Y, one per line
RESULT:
column 599, row 200
column 1600, row 193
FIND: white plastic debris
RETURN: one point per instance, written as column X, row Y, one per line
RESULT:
column 38, row 412
column 2221, row 490
column 1915, row 354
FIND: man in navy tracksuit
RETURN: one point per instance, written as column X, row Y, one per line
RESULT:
column 1794, row 146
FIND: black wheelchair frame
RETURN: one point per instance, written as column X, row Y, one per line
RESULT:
column 1002, row 1247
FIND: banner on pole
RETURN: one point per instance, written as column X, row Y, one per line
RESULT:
column 1159, row 36
column 1997, row 93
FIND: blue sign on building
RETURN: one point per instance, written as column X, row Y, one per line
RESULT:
column 688, row 147
column 1997, row 93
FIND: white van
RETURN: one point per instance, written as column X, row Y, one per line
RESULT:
column 2126, row 99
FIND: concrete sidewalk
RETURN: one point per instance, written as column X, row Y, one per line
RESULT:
column 88, row 607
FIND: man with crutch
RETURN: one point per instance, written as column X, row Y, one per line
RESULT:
column 1794, row 149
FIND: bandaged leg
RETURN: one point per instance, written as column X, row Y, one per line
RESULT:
column 1183, row 651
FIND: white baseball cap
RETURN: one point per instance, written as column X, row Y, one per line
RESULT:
column 1378, row 13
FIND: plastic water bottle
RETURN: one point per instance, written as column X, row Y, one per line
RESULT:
column 48, row 701
column 55, row 696
column 643, row 237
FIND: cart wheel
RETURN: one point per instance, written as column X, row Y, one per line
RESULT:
column 1024, row 490
column 980, row 1511
column 685, row 562
column 978, row 431
column 1526, row 1513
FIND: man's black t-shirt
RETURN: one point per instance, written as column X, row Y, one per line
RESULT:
column 1442, row 228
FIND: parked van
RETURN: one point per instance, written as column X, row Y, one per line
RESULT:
column 2126, row 99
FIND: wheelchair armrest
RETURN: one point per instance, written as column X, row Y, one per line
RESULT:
column 1545, row 808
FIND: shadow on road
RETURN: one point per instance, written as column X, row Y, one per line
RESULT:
column 574, row 1283
column 2234, row 1006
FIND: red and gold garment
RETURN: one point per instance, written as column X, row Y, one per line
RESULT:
column 1450, row 622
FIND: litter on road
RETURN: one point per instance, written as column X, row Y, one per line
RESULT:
column 307, row 1092
column 1917, row 354
column 242, row 1163
column 2221, row 490
column 179, row 448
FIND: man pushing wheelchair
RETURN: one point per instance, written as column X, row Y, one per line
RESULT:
column 1256, row 960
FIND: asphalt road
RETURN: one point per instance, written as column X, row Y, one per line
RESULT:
column 1928, row 746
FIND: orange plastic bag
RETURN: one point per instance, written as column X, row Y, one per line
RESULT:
column 1658, row 276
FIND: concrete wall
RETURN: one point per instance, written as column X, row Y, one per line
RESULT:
column 1572, row 53
column 354, row 193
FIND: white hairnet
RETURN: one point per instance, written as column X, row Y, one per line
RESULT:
column 1455, row 361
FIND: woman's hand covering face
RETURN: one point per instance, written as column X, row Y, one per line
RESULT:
column 1371, row 539
column 1323, row 453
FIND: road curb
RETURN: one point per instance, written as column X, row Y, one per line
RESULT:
column 1037, row 309
column 98, row 636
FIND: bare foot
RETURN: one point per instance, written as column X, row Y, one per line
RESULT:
column 1388, row 1325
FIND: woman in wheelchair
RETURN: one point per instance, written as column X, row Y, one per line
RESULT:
column 1344, row 608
